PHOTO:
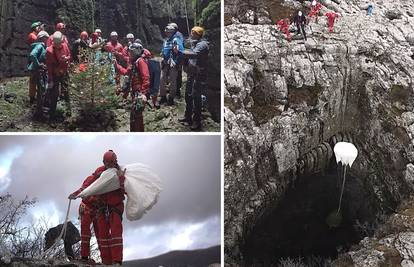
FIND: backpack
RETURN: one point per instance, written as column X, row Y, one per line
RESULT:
column 154, row 69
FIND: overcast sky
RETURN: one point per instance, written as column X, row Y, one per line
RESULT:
column 187, row 215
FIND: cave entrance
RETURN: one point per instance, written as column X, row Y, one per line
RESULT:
column 297, row 228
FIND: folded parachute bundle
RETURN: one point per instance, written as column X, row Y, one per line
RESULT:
column 142, row 187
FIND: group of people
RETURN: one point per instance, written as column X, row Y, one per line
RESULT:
column 145, row 78
column 104, row 213
column 301, row 20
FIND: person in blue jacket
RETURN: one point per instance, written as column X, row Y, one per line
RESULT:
column 180, row 69
column 171, row 59
column 37, row 67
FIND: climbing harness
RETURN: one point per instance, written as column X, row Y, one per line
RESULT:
column 62, row 234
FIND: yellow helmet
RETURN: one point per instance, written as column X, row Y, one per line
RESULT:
column 199, row 30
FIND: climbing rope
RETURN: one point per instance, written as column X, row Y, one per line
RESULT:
column 62, row 234
column 186, row 17
column 93, row 15
column 169, row 11
column 342, row 189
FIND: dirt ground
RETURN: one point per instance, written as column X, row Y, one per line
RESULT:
column 16, row 114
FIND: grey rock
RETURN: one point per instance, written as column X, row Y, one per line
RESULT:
column 357, row 80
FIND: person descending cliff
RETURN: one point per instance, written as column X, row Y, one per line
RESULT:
column 331, row 19
column 315, row 8
column 300, row 21
column 283, row 26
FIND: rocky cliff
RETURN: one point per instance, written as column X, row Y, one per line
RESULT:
column 146, row 19
column 288, row 103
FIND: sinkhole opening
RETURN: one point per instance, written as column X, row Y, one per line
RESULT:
column 299, row 226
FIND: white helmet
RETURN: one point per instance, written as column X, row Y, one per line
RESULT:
column 57, row 37
column 130, row 36
column 314, row 3
column 98, row 31
column 174, row 25
column 169, row 28
column 114, row 34
column 300, row 13
column 136, row 49
column 42, row 34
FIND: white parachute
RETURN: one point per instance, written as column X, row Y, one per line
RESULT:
column 142, row 187
column 345, row 153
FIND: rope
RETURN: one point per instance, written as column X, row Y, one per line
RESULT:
column 186, row 17
column 169, row 11
column 62, row 234
column 342, row 190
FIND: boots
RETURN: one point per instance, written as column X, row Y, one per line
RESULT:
column 170, row 101
column 155, row 103
column 196, row 126
column 163, row 100
column 136, row 121
column 186, row 120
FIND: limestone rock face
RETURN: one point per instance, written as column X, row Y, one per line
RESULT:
column 146, row 19
column 283, row 99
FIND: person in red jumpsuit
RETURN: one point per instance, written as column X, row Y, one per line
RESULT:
column 283, row 26
column 58, row 58
column 139, row 82
column 116, row 49
column 60, row 27
column 331, row 20
column 88, row 214
column 315, row 8
column 110, row 208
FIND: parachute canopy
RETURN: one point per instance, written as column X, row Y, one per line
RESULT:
column 142, row 186
column 345, row 153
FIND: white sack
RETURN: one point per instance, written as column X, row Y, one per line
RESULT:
column 142, row 186
column 345, row 153
column 107, row 182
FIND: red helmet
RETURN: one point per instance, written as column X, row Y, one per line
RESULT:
column 60, row 26
column 84, row 34
column 94, row 37
column 109, row 157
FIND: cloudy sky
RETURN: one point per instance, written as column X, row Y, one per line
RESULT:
column 187, row 215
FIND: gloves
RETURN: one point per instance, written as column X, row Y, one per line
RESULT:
column 72, row 196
